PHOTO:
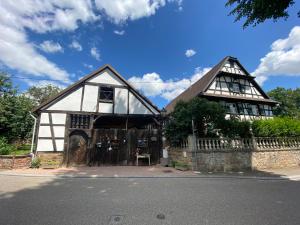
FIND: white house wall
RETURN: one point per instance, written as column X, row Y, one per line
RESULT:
column 107, row 77
column 136, row 106
column 45, row 142
column 58, row 118
column 105, row 107
column 250, row 90
column 44, row 145
column 44, row 131
column 71, row 102
column 44, row 118
column 121, row 101
column 89, row 103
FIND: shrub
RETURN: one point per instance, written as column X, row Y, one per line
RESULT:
column 276, row 127
column 5, row 148
column 36, row 162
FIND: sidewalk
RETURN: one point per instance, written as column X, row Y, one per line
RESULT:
column 151, row 172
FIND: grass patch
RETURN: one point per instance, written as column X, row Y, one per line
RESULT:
column 22, row 150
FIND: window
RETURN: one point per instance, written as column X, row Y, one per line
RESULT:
column 80, row 121
column 242, row 88
column 106, row 94
column 234, row 87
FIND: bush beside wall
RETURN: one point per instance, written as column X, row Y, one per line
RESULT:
column 276, row 127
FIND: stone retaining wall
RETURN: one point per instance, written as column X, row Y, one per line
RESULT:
column 232, row 160
column 14, row 162
column 50, row 159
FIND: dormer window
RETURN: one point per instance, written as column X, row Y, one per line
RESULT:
column 106, row 94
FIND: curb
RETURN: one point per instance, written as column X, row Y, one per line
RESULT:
column 294, row 177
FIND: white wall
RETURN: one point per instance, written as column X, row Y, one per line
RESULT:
column 58, row 118
column 70, row 102
column 136, row 106
column 106, row 77
column 105, row 107
column 45, row 132
column 121, row 100
column 90, row 97
column 44, row 145
column 44, row 118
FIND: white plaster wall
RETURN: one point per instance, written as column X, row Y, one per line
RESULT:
column 59, row 131
column 44, row 131
column 121, row 100
column 44, row 118
column 59, row 145
column 106, row 77
column 136, row 107
column 150, row 107
column 59, row 118
column 70, row 102
column 105, row 107
column 89, row 103
column 44, row 145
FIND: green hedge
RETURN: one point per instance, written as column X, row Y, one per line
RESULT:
column 276, row 127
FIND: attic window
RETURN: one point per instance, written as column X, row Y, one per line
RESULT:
column 106, row 94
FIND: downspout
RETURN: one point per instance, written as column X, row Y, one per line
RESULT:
column 33, row 135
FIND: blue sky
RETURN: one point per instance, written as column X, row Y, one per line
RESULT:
column 161, row 46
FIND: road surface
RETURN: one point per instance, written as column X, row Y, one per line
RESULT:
column 182, row 201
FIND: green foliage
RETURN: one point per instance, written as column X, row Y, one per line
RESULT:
column 207, row 117
column 276, row 127
column 43, row 93
column 209, row 121
column 234, row 128
column 257, row 11
column 5, row 148
column 36, row 162
column 289, row 102
column 15, row 120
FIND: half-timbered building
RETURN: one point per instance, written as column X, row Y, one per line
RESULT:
column 230, row 84
column 101, row 119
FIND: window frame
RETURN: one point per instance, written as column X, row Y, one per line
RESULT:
column 106, row 100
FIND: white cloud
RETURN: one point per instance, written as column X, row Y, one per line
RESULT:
column 283, row 59
column 16, row 17
column 89, row 66
column 151, row 84
column 76, row 45
column 119, row 32
column 119, row 11
column 95, row 53
column 190, row 52
column 51, row 47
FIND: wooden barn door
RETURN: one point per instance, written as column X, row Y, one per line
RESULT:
column 77, row 152
column 110, row 147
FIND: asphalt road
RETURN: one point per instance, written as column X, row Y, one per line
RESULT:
column 182, row 201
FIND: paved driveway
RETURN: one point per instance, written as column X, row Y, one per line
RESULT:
column 182, row 201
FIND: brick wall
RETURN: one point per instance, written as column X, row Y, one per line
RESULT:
column 14, row 162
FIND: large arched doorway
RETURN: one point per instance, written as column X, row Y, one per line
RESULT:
column 78, row 146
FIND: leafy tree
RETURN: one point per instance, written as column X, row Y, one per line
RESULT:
column 15, row 120
column 209, row 120
column 289, row 101
column 42, row 94
column 257, row 11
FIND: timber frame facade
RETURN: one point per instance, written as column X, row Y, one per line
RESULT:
column 101, row 119
column 231, row 85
